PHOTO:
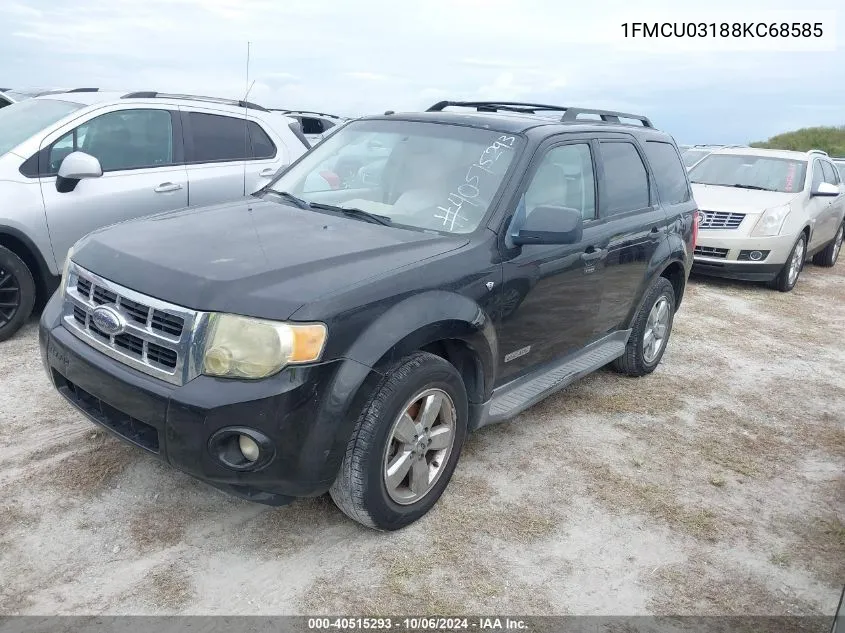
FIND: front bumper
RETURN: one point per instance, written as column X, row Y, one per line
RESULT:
column 303, row 411
column 731, row 245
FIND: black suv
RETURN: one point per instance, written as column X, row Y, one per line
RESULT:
column 345, row 334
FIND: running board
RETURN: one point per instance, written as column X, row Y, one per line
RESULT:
column 518, row 395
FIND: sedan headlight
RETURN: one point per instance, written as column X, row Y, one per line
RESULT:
column 771, row 222
column 63, row 282
column 244, row 347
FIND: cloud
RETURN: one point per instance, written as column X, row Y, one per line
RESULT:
column 375, row 55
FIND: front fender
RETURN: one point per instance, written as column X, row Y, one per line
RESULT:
column 425, row 318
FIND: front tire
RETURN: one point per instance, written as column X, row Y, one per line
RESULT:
column 405, row 445
column 17, row 293
column 650, row 332
column 788, row 276
column 829, row 254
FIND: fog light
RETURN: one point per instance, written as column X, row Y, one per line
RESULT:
column 755, row 256
column 248, row 447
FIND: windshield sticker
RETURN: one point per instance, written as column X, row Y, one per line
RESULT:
column 469, row 191
column 790, row 176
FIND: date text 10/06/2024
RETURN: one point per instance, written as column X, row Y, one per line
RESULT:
column 417, row 624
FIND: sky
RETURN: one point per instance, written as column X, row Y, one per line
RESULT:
column 354, row 58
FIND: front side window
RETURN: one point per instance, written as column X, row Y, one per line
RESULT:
column 425, row 175
column 830, row 174
column 564, row 178
column 625, row 176
column 669, row 174
column 750, row 171
column 21, row 120
column 124, row 139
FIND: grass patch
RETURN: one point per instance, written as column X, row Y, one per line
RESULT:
column 90, row 470
column 168, row 588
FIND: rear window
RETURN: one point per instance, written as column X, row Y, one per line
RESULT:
column 669, row 172
column 751, row 171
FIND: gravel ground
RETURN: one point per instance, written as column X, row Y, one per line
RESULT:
column 714, row 486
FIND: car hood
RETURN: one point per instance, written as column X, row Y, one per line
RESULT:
column 252, row 257
column 718, row 198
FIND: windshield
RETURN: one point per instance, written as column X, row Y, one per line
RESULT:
column 692, row 156
column 755, row 172
column 21, row 120
column 422, row 175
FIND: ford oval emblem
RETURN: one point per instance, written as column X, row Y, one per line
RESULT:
column 108, row 320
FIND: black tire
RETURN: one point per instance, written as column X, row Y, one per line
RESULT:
column 782, row 281
column 829, row 254
column 17, row 293
column 634, row 362
column 360, row 490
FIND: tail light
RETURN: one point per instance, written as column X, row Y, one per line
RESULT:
column 696, row 219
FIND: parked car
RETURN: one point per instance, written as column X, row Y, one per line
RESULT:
column 348, row 340
column 73, row 162
column 315, row 125
column 764, row 212
column 694, row 153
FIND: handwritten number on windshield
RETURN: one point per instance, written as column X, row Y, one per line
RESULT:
column 469, row 191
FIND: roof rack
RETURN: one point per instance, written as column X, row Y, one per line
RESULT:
column 817, row 151
column 167, row 95
column 569, row 114
column 83, row 90
column 332, row 116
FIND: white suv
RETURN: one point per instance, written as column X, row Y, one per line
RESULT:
column 76, row 161
column 764, row 212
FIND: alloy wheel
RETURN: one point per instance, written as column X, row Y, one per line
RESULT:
column 10, row 296
column 796, row 261
column 419, row 445
column 656, row 329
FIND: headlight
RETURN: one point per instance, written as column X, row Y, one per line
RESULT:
column 63, row 282
column 244, row 347
column 771, row 221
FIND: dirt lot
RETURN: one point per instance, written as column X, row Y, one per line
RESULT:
column 715, row 485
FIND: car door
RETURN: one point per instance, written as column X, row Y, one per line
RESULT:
column 836, row 208
column 818, row 209
column 140, row 152
column 551, row 293
column 635, row 220
column 219, row 155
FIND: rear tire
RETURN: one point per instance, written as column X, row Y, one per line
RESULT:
column 788, row 275
column 829, row 254
column 372, row 486
column 650, row 331
column 17, row 293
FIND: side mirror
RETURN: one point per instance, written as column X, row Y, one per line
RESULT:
column 826, row 189
column 550, row 225
column 75, row 167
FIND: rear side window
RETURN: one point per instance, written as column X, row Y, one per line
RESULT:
column 626, row 179
column 262, row 146
column 218, row 138
column 669, row 173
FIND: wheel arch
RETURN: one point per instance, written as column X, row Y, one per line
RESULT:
column 23, row 247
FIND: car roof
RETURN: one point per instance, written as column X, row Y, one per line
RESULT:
column 511, row 122
column 759, row 151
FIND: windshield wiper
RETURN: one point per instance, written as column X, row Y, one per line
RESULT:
column 287, row 195
column 755, row 187
column 353, row 212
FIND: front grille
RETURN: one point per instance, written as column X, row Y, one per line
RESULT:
column 155, row 337
column 132, row 429
column 708, row 251
column 720, row 220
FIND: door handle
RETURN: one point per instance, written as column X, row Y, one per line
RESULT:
column 267, row 173
column 592, row 254
column 167, row 187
